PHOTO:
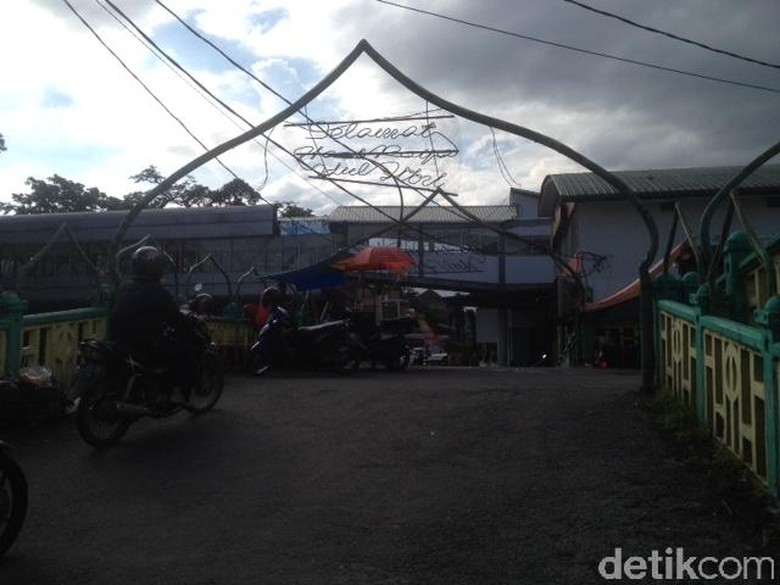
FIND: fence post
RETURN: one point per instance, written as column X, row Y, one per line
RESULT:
column 769, row 319
column 12, row 310
column 699, row 374
column 737, row 248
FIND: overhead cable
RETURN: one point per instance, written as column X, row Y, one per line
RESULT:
column 334, row 182
column 673, row 36
column 580, row 50
column 148, row 90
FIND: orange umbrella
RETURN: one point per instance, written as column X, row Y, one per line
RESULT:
column 377, row 258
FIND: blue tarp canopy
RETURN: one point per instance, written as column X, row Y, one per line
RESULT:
column 321, row 275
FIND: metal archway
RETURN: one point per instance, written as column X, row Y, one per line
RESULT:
column 364, row 47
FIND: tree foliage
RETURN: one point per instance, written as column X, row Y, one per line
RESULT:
column 60, row 195
column 290, row 209
column 189, row 193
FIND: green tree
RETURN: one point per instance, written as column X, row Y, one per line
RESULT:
column 189, row 193
column 290, row 209
column 149, row 175
column 152, row 176
column 236, row 192
column 59, row 195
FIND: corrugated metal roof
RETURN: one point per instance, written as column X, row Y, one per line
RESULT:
column 429, row 214
column 176, row 223
column 660, row 183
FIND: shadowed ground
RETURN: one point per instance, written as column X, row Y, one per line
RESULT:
column 430, row 476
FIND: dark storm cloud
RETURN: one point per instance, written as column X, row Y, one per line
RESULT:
column 713, row 123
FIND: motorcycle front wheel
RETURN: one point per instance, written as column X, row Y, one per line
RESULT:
column 208, row 388
column 97, row 419
column 13, row 500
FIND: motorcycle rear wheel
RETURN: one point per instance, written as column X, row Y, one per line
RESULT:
column 97, row 420
column 208, row 389
column 13, row 501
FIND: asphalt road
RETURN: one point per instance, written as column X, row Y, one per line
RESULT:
column 437, row 475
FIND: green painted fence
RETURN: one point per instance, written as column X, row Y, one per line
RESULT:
column 719, row 353
column 51, row 339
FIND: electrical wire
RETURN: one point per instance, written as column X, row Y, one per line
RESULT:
column 175, row 63
column 580, row 50
column 673, row 36
column 201, row 89
column 269, row 88
column 149, row 43
column 506, row 174
column 456, row 209
column 334, row 182
column 143, row 85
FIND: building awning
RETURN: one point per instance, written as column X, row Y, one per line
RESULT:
column 631, row 291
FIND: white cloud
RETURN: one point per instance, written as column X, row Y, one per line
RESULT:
column 71, row 109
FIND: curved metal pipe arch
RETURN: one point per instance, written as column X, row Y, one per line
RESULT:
column 364, row 47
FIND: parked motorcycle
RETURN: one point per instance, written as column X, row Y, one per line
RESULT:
column 115, row 388
column 282, row 345
column 383, row 343
column 13, row 498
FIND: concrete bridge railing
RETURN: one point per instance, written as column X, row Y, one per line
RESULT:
column 719, row 354
column 51, row 339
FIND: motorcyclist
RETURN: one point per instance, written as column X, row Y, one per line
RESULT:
column 147, row 319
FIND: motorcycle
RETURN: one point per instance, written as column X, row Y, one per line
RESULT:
column 13, row 498
column 282, row 345
column 384, row 342
column 114, row 388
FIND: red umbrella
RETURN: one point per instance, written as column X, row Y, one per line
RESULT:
column 377, row 258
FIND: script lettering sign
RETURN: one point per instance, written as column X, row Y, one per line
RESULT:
column 389, row 151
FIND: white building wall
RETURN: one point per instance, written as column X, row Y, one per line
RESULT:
column 615, row 231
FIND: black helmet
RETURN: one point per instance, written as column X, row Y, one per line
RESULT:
column 148, row 263
column 203, row 304
column 272, row 297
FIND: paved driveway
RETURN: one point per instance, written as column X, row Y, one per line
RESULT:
column 434, row 475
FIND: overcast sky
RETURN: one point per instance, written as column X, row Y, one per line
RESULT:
column 68, row 107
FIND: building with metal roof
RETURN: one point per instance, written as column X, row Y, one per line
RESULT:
column 606, row 239
column 658, row 184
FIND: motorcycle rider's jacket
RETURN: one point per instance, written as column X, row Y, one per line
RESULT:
column 142, row 311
